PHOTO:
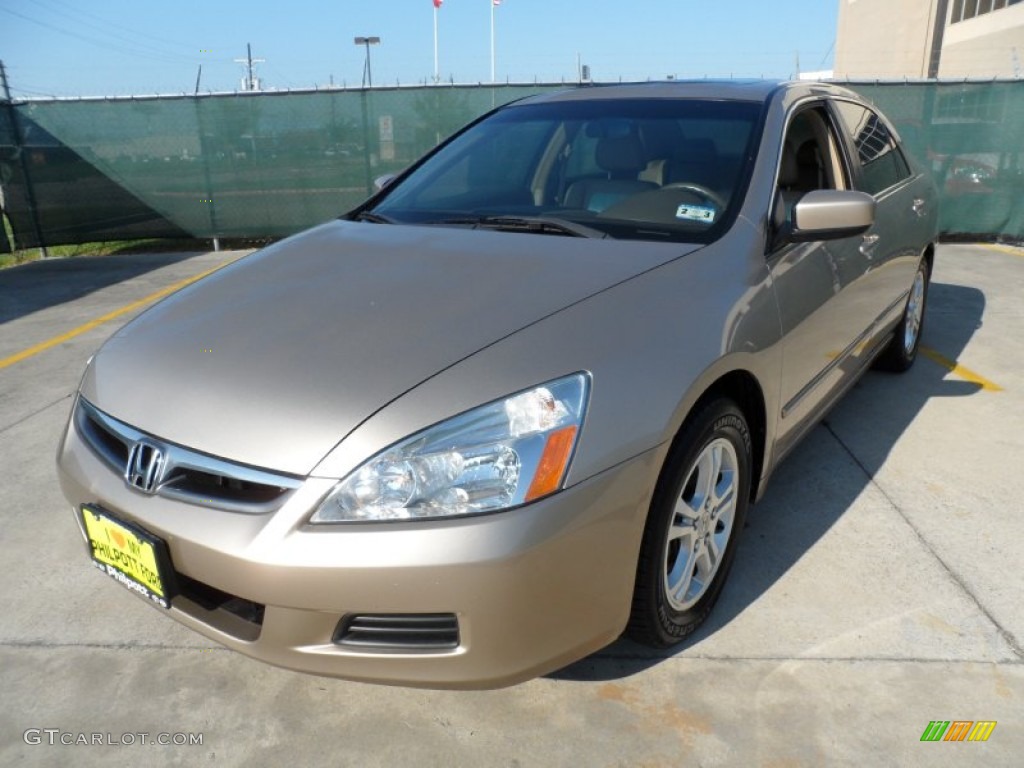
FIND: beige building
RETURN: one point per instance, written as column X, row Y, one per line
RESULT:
column 896, row 39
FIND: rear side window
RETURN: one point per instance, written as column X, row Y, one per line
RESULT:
column 882, row 164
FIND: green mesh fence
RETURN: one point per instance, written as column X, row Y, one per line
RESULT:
column 11, row 181
column 269, row 164
column 249, row 165
column 971, row 136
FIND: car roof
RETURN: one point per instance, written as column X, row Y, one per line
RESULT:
column 731, row 90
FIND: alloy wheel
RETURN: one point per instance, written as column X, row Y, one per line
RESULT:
column 701, row 524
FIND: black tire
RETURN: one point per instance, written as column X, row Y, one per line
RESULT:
column 901, row 351
column 662, row 616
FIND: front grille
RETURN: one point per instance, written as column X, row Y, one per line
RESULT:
column 399, row 632
column 187, row 475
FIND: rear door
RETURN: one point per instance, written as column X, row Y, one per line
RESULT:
column 892, row 247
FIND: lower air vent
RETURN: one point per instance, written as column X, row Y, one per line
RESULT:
column 399, row 632
column 234, row 615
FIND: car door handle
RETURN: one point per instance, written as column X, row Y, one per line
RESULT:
column 868, row 246
column 918, row 206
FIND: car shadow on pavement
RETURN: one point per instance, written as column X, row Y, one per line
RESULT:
column 41, row 284
column 783, row 526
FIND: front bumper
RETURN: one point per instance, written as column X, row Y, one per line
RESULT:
column 531, row 589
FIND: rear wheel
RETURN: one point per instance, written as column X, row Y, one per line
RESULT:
column 901, row 352
column 698, row 509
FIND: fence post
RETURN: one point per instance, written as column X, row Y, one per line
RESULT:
column 366, row 142
column 19, row 146
column 205, row 155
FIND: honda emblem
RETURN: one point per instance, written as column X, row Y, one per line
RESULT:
column 145, row 466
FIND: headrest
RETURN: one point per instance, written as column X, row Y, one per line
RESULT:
column 807, row 154
column 789, row 169
column 620, row 154
column 696, row 151
column 661, row 138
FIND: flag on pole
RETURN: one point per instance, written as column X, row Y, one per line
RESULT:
column 437, row 72
column 494, row 4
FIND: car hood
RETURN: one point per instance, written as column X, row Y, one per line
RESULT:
column 275, row 359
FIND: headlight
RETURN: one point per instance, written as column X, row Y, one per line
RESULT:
column 496, row 456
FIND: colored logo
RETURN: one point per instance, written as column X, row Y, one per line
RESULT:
column 958, row 730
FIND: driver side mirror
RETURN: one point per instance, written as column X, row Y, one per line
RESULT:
column 830, row 214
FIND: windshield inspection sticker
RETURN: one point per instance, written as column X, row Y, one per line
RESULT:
column 703, row 213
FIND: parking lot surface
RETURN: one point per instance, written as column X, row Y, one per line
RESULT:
column 877, row 587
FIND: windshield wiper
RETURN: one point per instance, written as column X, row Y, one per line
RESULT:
column 538, row 224
column 373, row 218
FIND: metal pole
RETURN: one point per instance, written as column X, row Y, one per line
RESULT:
column 204, row 152
column 248, row 56
column 492, row 41
column 367, row 71
column 19, row 145
column 938, row 31
column 366, row 142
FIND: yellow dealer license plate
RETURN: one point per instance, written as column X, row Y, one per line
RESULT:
column 129, row 555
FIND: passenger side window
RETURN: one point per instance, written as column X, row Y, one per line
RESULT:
column 810, row 161
column 882, row 164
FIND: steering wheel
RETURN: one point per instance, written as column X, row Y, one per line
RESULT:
column 699, row 189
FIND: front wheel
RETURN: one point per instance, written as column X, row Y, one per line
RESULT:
column 901, row 352
column 689, row 541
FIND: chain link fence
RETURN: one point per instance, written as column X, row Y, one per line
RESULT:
column 270, row 164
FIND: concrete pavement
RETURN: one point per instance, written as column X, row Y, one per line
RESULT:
column 877, row 588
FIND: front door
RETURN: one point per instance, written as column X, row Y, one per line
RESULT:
column 824, row 325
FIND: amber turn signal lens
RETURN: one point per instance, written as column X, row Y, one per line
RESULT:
column 553, row 463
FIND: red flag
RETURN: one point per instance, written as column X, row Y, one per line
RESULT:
column 496, row 2
column 437, row 3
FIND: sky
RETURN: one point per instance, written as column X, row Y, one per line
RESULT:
column 137, row 47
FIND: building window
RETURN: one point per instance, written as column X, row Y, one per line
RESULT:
column 965, row 103
column 968, row 9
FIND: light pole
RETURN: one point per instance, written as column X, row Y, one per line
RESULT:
column 367, row 81
column 367, row 72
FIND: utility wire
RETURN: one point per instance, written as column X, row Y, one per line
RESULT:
column 162, row 57
column 57, row 5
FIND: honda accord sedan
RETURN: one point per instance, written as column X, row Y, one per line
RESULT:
column 517, row 403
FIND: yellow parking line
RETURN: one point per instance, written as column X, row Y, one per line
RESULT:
column 1004, row 249
column 42, row 346
column 964, row 373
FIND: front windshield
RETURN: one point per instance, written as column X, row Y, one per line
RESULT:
column 648, row 169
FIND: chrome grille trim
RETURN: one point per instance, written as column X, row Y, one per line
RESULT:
column 187, row 475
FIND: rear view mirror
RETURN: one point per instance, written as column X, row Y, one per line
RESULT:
column 382, row 181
